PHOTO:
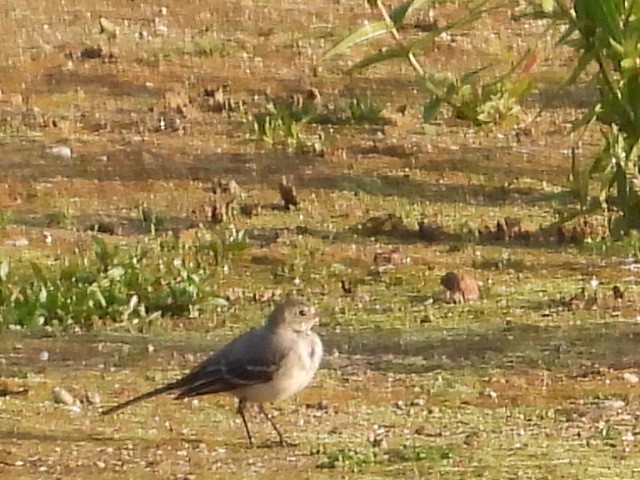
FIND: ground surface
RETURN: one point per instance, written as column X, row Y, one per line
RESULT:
column 518, row 385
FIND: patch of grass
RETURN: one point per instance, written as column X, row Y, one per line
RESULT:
column 357, row 459
column 130, row 286
column 364, row 110
column 209, row 47
column 5, row 219
column 282, row 124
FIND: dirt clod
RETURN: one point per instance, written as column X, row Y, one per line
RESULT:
column 287, row 193
column 460, row 288
column 62, row 396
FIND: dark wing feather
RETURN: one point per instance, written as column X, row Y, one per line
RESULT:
column 229, row 370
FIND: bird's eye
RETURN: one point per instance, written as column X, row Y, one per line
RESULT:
column 302, row 312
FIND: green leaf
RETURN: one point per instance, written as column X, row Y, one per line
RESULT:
column 97, row 294
column 402, row 11
column 4, row 270
column 569, row 31
column 430, row 110
column 547, row 6
column 583, row 62
column 42, row 295
column 101, row 250
column 115, row 273
column 427, row 39
column 587, row 119
column 469, row 76
column 38, row 272
column 364, row 34
column 378, row 57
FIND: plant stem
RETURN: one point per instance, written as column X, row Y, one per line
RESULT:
column 394, row 33
column 411, row 57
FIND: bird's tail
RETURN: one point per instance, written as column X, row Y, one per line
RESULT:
column 158, row 391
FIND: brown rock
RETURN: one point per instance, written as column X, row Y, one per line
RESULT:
column 460, row 288
column 389, row 258
column 60, row 395
column 578, row 235
column 618, row 293
column 502, row 231
column 226, row 187
column 251, row 209
column 390, row 225
column 287, row 193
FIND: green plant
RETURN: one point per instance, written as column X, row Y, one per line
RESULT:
column 358, row 458
column 5, row 219
column 480, row 102
column 210, row 47
column 466, row 96
column 122, row 285
column 283, row 121
column 606, row 35
column 363, row 109
column 150, row 218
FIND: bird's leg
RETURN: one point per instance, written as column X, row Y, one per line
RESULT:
column 241, row 404
column 273, row 424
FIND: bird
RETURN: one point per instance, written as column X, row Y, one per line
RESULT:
column 287, row 193
column 265, row 364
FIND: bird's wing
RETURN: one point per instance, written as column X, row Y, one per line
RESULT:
column 238, row 365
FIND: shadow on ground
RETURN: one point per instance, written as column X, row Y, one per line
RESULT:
column 573, row 347
column 610, row 344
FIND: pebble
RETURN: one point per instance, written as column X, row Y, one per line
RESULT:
column 93, row 398
column 59, row 151
column 60, row 395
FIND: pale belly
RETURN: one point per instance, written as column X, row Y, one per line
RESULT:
column 298, row 373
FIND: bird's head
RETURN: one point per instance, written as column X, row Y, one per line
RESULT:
column 294, row 313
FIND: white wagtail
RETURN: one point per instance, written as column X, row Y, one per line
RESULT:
column 265, row 364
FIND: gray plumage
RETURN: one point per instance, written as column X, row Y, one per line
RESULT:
column 265, row 364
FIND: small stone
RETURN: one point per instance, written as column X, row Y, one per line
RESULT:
column 44, row 356
column 461, row 288
column 60, row 395
column 59, row 151
column 150, row 348
column 93, row 398
column 389, row 258
column 631, row 378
